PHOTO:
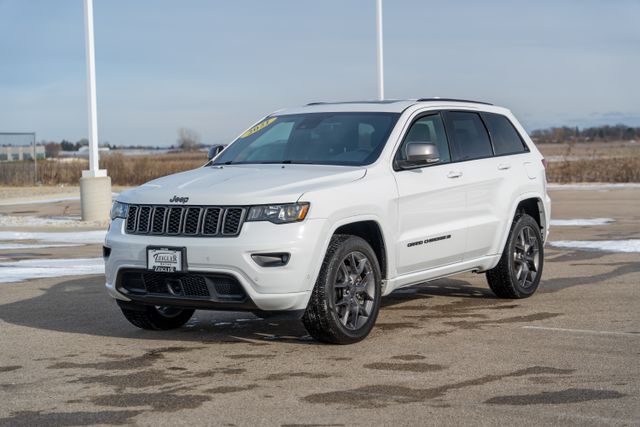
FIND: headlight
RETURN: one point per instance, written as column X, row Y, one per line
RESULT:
column 279, row 214
column 119, row 210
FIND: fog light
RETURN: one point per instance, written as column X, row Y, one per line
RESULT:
column 271, row 260
column 106, row 252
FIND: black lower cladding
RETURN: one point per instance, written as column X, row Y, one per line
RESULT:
column 192, row 286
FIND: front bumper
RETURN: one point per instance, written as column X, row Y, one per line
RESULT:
column 280, row 288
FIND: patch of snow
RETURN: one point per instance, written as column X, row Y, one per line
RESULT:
column 92, row 237
column 594, row 186
column 30, row 201
column 5, row 246
column 13, row 202
column 629, row 246
column 37, row 221
column 579, row 222
column 41, row 268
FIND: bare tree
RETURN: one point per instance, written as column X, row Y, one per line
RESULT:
column 188, row 139
column 52, row 149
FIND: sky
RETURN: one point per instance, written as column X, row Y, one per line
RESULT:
column 219, row 66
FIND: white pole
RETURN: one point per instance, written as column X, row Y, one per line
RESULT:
column 95, row 185
column 91, row 93
column 379, row 50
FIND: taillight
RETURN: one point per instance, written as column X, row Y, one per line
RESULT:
column 544, row 162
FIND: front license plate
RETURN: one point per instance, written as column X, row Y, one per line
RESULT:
column 166, row 260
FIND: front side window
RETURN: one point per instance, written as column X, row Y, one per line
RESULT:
column 470, row 138
column 430, row 130
column 506, row 139
column 353, row 139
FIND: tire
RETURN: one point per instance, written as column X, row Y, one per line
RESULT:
column 342, row 309
column 518, row 273
column 155, row 318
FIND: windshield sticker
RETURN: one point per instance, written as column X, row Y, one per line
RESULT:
column 258, row 127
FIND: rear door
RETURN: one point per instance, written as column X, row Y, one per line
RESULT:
column 431, row 203
column 509, row 165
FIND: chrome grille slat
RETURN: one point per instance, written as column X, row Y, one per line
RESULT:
column 174, row 221
column 132, row 219
column 157, row 223
column 192, row 221
column 189, row 221
column 232, row 221
column 144, row 219
column 211, row 221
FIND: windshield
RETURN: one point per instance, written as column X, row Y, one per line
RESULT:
column 314, row 138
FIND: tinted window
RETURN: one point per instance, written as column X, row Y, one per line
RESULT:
column 506, row 139
column 428, row 129
column 470, row 138
column 315, row 138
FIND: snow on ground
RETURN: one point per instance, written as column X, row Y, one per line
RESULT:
column 579, row 222
column 92, row 237
column 5, row 246
column 31, row 201
column 631, row 246
column 40, row 268
column 38, row 221
column 595, row 186
column 38, row 201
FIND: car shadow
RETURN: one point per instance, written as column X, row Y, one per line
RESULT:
column 81, row 306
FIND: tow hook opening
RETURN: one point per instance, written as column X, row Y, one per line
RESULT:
column 174, row 286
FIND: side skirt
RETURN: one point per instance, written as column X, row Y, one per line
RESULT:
column 478, row 264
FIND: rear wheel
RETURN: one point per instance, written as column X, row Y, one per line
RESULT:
column 345, row 301
column 518, row 273
column 155, row 317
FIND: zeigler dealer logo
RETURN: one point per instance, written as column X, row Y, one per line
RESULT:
column 176, row 199
column 165, row 257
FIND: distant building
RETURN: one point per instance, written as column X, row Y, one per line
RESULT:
column 12, row 153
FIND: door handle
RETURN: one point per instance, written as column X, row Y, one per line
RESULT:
column 454, row 174
column 504, row 166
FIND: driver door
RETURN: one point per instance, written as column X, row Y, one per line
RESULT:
column 431, row 203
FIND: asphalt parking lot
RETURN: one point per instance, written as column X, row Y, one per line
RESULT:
column 442, row 353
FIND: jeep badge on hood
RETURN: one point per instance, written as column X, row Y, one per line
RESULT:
column 176, row 199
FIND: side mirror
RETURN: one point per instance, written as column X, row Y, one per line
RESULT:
column 420, row 154
column 214, row 151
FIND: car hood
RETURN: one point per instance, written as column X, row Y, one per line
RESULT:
column 241, row 184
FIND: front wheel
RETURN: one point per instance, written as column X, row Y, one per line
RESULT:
column 155, row 317
column 518, row 273
column 345, row 301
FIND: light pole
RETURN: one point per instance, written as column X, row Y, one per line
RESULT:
column 95, row 185
column 379, row 50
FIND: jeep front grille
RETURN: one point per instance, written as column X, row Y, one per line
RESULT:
column 217, row 221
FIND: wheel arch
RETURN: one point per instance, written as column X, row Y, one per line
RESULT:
column 531, row 204
column 371, row 232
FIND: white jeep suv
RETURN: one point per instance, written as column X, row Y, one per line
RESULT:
column 319, row 211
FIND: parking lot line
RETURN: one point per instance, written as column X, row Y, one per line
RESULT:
column 583, row 331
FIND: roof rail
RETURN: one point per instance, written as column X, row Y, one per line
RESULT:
column 453, row 99
column 377, row 101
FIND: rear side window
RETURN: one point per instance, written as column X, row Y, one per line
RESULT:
column 506, row 139
column 469, row 136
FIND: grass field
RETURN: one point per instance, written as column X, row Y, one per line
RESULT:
column 592, row 162
column 583, row 162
